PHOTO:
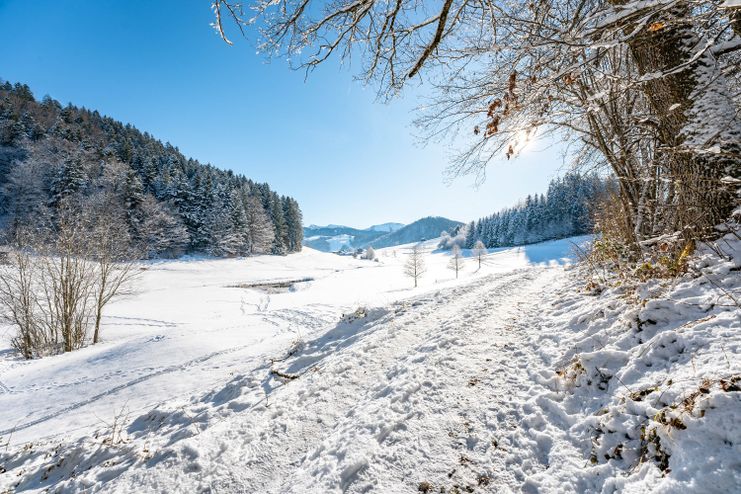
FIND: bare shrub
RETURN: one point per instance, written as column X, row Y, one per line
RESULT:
column 59, row 279
column 19, row 299
column 613, row 251
column 112, row 255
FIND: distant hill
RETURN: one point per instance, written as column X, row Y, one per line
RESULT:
column 386, row 227
column 422, row 229
column 332, row 238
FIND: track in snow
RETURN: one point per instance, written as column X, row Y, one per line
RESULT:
column 428, row 390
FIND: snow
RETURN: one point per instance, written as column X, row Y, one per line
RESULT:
column 337, row 242
column 187, row 328
column 512, row 378
column 386, row 227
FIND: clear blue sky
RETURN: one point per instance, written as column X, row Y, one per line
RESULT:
column 158, row 65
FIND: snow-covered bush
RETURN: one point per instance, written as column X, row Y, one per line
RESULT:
column 448, row 241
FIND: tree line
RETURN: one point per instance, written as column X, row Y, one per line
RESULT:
column 566, row 210
column 52, row 155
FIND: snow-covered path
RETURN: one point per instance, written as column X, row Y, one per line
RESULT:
column 424, row 391
column 187, row 328
column 514, row 380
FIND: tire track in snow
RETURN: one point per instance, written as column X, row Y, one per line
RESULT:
column 439, row 378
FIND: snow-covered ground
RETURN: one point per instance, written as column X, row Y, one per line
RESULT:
column 509, row 379
column 189, row 326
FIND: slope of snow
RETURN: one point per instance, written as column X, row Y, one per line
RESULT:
column 386, row 227
column 510, row 379
column 337, row 242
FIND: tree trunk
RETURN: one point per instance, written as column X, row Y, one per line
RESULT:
column 96, row 333
column 699, row 130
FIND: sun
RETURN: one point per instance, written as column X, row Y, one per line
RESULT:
column 523, row 141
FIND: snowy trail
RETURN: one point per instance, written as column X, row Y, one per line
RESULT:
column 504, row 381
column 422, row 391
column 187, row 328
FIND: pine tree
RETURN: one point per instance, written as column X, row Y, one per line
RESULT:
column 69, row 180
column 470, row 235
column 133, row 197
column 294, row 229
column 259, row 227
column 279, row 225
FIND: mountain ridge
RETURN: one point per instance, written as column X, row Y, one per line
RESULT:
column 332, row 238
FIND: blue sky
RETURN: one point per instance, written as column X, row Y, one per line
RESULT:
column 158, row 65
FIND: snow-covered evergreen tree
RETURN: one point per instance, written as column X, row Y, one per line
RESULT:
column 49, row 153
column 563, row 212
column 259, row 227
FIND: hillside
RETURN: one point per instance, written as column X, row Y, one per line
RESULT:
column 422, row 229
column 565, row 211
column 54, row 158
column 332, row 238
column 387, row 227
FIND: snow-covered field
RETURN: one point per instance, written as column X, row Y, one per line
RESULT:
column 508, row 379
column 189, row 327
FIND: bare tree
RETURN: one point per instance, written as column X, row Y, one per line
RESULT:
column 415, row 264
column 479, row 251
column 68, row 277
column 60, row 278
column 113, row 256
column 18, row 296
column 160, row 232
column 650, row 90
column 456, row 260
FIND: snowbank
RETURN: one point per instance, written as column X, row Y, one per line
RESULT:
column 646, row 394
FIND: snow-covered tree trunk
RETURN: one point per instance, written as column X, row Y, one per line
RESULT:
column 697, row 122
